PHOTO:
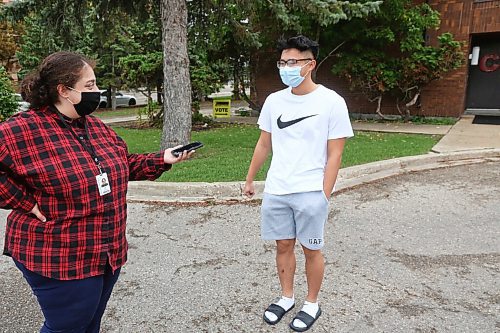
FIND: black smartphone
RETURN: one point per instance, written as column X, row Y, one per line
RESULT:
column 190, row 146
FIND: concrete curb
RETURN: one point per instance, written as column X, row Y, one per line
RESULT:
column 146, row 191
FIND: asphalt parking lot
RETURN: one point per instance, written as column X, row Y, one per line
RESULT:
column 414, row 253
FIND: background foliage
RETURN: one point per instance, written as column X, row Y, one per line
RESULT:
column 388, row 54
column 8, row 103
column 380, row 47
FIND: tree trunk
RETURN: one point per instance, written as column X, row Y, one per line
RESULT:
column 177, row 85
column 108, row 97
column 408, row 105
column 379, row 105
column 150, row 104
column 236, row 81
column 113, row 98
column 159, row 91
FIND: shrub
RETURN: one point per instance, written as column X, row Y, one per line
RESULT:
column 8, row 102
column 198, row 118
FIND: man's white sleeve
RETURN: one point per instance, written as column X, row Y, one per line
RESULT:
column 340, row 124
column 264, row 121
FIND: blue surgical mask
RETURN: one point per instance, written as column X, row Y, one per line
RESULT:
column 290, row 76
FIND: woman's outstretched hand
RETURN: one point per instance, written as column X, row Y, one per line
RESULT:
column 171, row 159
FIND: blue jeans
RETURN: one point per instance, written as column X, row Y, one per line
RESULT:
column 73, row 306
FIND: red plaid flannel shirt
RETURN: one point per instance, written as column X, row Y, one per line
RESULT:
column 42, row 162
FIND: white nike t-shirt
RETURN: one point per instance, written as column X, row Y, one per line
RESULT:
column 300, row 127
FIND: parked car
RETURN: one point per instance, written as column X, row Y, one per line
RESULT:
column 121, row 99
column 22, row 105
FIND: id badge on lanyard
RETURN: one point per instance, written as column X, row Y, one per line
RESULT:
column 102, row 178
column 103, row 183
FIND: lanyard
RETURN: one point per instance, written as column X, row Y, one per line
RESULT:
column 88, row 148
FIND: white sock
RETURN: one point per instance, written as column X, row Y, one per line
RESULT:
column 309, row 308
column 285, row 302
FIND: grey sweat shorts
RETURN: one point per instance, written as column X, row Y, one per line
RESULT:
column 297, row 215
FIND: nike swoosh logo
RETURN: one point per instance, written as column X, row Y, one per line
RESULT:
column 285, row 124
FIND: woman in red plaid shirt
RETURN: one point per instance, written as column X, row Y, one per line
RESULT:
column 64, row 175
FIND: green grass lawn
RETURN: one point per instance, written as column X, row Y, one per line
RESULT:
column 414, row 120
column 228, row 151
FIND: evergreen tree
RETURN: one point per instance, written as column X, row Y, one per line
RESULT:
column 8, row 102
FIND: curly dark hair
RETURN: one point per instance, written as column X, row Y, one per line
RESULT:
column 301, row 43
column 39, row 88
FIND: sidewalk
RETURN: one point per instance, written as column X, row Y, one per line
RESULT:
column 465, row 135
column 463, row 143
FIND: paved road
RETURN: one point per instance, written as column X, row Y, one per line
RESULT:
column 416, row 253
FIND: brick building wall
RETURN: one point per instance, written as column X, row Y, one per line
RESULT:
column 445, row 97
column 463, row 19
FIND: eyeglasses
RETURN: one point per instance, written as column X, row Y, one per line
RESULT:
column 290, row 62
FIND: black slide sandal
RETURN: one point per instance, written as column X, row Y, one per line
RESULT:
column 278, row 311
column 306, row 319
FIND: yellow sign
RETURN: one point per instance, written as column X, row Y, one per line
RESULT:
column 222, row 108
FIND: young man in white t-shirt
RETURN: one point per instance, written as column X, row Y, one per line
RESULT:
column 305, row 126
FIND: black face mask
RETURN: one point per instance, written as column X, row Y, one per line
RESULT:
column 89, row 102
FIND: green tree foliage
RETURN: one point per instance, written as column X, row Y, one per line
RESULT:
column 223, row 35
column 8, row 102
column 8, row 45
column 144, row 70
column 36, row 43
column 314, row 18
column 10, row 32
column 253, row 27
column 220, row 40
column 105, row 30
column 141, row 70
column 207, row 76
column 119, row 42
column 388, row 54
column 106, row 41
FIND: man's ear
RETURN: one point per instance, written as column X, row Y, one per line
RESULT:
column 314, row 62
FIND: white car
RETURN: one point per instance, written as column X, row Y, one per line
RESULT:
column 22, row 105
column 121, row 99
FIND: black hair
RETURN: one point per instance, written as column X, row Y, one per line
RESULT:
column 301, row 43
column 39, row 88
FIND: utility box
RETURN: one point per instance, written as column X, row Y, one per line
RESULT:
column 222, row 107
